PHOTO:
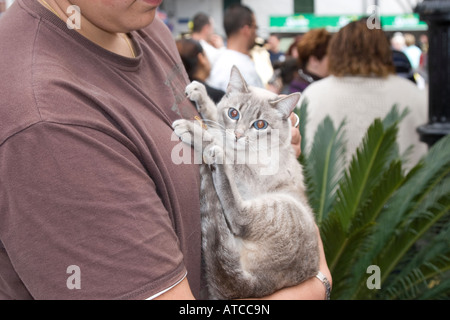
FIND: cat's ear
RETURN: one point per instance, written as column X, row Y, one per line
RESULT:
column 286, row 104
column 237, row 82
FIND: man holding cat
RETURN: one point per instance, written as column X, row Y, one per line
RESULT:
column 87, row 181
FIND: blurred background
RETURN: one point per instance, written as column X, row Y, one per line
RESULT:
column 291, row 17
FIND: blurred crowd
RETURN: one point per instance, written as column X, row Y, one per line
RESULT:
column 356, row 74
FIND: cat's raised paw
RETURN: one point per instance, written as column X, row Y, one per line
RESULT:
column 183, row 129
column 195, row 91
column 213, row 155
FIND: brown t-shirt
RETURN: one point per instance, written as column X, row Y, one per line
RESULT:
column 86, row 175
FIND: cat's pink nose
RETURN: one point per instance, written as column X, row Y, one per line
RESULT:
column 238, row 134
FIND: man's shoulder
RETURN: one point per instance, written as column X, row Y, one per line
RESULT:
column 14, row 119
column 18, row 108
column 220, row 72
column 19, row 28
column 229, row 58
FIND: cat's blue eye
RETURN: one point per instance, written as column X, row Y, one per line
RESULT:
column 233, row 114
column 260, row 124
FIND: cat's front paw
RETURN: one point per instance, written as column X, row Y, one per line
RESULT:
column 213, row 154
column 195, row 91
column 183, row 129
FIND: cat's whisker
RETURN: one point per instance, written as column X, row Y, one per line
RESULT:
column 255, row 146
column 213, row 124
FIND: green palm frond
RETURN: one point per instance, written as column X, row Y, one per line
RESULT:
column 378, row 215
column 427, row 186
column 365, row 171
column 324, row 162
column 325, row 165
column 415, row 209
column 437, row 290
column 421, row 203
column 423, row 268
column 391, row 180
column 364, row 174
column 302, row 114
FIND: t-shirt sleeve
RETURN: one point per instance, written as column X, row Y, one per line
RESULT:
column 82, row 217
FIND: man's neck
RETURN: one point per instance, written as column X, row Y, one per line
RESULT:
column 238, row 44
column 114, row 42
column 197, row 36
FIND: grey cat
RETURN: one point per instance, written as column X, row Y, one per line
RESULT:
column 258, row 231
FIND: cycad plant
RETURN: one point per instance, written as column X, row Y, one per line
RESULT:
column 385, row 229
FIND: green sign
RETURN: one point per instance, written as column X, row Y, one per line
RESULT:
column 403, row 22
column 304, row 22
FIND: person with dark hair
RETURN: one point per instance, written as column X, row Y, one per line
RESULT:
column 312, row 59
column 402, row 65
column 200, row 21
column 236, row 17
column 240, row 28
column 203, row 31
column 197, row 65
column 363, row 86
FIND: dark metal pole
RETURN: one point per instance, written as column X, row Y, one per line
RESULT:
column 436, row 13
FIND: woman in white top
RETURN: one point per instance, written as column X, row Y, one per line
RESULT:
column 363, row 86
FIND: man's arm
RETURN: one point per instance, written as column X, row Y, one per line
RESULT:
column 181, row 291
column 311, row 289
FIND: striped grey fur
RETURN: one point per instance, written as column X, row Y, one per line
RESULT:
column 258, row 231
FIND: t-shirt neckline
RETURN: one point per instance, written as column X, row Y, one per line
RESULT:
column 114, row 58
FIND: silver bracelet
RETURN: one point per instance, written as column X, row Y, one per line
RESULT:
column 326, row 283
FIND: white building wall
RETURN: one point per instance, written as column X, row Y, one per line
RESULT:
column 333, row 7
column 392, row 7
column 360, row 7
column 181, row 11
